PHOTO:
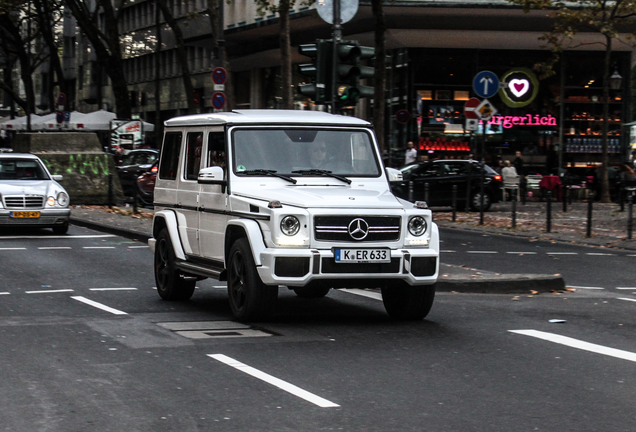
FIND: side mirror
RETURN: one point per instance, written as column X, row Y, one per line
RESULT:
column 212, row 175
column 57, row 177
column 394, row 175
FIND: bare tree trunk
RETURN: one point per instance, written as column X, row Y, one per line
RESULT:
column 107, row 49
column 285, row 50
column 605, row 195
column 181, row 55
column 379, row 105
column 44, row 13
column 158, row 123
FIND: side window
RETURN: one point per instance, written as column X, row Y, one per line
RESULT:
column 170, row 156
column 216, row 149
column 456, row 169
column 193, row 155
column 428, row 170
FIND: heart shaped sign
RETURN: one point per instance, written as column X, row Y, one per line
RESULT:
column 519, row 87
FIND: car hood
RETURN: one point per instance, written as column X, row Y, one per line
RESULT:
column 29, row 187
column 327, row 196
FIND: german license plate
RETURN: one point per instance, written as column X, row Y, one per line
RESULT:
column 25, row 214
column 382, row 255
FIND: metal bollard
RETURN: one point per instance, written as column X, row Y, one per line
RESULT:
column 564, row 193
column 589, row 215
column 523, row 185
column 548, row 227
column 514, row 210
column 110, row 191
column 426, row 192
column 630, row 220
column 454, row 202
column 621, row 197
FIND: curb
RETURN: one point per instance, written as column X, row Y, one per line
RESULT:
column 506, row 284
column 127, row 233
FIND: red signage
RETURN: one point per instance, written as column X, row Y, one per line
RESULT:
column 470, row 108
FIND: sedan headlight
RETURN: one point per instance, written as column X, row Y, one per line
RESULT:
column 50, row 201
column 290, row 225
column 417, row 226
column 62, row 199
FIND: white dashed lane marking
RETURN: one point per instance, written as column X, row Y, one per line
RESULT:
column 113, row 289
column 98, row 305
column 283, row 385
column 49, row 291
column 575, row 343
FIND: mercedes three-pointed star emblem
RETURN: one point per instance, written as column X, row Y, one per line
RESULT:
column 358, row 229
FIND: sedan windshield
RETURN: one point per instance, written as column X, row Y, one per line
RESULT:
column 305, row 152
column 22, row 169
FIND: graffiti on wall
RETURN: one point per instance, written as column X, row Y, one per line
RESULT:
column 85, row 164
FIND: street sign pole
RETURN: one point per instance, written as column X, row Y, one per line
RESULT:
column 337, row 38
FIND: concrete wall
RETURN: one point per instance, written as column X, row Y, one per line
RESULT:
column 79, row 158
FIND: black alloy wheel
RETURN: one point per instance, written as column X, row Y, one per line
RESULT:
column 170, row 285
column 250, row 299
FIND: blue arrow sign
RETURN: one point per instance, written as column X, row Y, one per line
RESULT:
column 486, row 84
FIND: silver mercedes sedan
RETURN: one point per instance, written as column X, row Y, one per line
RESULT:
column 30, row 196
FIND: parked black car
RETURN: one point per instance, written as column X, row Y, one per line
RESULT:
column 132, row 165
column 442, row 175
column 146, row 185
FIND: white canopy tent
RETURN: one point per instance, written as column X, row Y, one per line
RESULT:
column 95, row 121
column 100, row 120
column 76, row 117
column 38, row 123
column 19, row 123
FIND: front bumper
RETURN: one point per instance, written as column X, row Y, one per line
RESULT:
column 48, row 218
column 302, row 267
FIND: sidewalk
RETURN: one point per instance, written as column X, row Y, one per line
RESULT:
column 122, row 221
column 609, row 224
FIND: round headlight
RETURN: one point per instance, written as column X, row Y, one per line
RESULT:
column 417, row 226
column 290, row 225
column 62, row 199
column 50, row 201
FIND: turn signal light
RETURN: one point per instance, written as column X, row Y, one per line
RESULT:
column 498, row 177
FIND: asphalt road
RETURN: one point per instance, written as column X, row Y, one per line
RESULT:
column 87, row 345
column 584, row 267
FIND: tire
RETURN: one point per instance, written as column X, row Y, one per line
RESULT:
column 475, row 201
column 404, row 302
column 61, row 229
column 250, row 298
column 170, row 285
column 312, row 292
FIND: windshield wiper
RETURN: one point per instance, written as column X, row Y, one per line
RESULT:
column 322, row 173
column 269, row 173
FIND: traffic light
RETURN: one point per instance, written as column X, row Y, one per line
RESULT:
column 319, row 69
column 349, row 72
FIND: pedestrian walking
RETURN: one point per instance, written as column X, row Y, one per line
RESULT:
column 518, row 163
column 411, row 153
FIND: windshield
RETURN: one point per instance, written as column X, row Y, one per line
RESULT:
column 22, row 169
column 304, row 152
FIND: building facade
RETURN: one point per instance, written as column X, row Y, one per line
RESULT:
column 435, row 49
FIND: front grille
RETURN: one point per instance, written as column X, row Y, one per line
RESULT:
column 24, row 202
column 336, row 228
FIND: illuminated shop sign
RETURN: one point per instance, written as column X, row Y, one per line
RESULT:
column 520, row 87
column 508, row 122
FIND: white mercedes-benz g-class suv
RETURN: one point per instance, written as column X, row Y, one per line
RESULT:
column 264, row 198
